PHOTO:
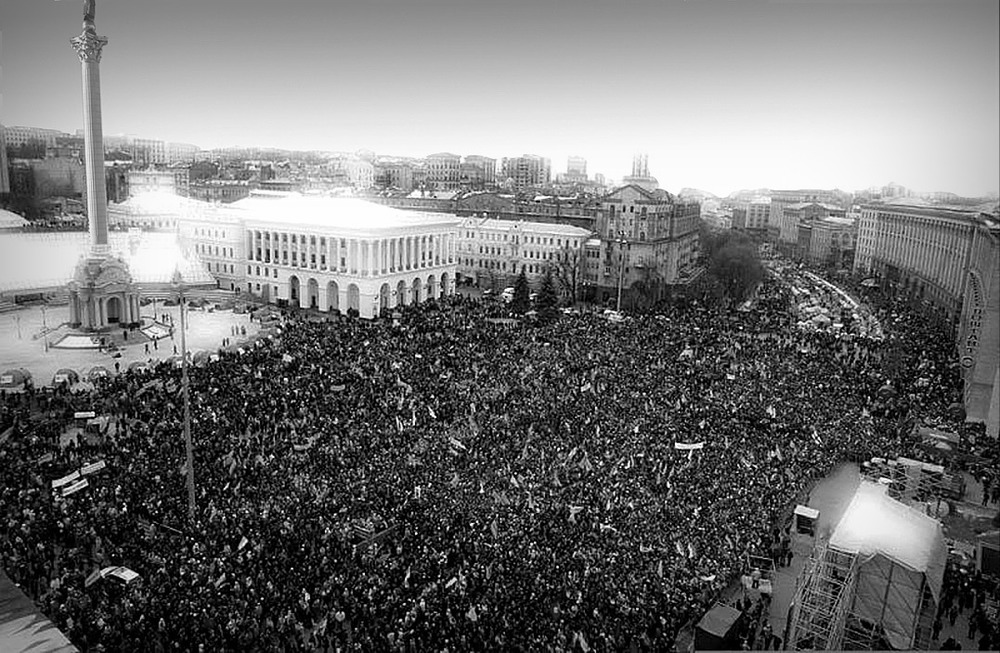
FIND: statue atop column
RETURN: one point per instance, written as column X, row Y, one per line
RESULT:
column 88, row 45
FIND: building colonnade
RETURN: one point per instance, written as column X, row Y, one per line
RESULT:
column 363, row 257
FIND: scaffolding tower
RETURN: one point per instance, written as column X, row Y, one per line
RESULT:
column 822, row 603
column 911, row 481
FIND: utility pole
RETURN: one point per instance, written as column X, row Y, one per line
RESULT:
column 178, row 284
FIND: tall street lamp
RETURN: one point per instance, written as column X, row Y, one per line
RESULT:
column 622, row 242
column 45, row 330
column 178, row 286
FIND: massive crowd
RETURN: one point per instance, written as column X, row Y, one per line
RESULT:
column 451, row 482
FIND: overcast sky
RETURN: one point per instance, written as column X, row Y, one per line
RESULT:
column 721, row 94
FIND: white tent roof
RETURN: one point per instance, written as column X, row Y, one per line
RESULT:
column 875, row 523
column 888, row 535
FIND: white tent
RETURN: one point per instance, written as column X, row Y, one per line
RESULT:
column 901, row 557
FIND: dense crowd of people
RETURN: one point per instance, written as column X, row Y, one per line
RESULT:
column 449, row 481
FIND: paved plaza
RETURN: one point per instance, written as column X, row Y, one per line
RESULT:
column 22, row 345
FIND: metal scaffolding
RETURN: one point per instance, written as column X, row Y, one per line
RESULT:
column 826, row 613
column 822, row 602
column 911, row 481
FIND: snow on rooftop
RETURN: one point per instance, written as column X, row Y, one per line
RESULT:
column 156, row 203
column 337, row 212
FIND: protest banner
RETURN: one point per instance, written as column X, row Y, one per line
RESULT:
column 123, row 575
column 65, row 480
column 75, row 487
column 93, row 468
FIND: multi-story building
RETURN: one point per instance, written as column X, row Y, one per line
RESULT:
column 58, row 178
column 345, row 254
column 66, row 147
column 949, row 257
column 828, row 241
column 350, row 170
column 17, row 136
column 224, row 191
column 443, row 171
column 645, row 236
column 781, row 229
column 576, row 168
column 526, row 171
column 796, row 216
column 493, row 252
column 174, row 180
column 753, row 215
column 216, row 235
column 181, row 152
column 394, row 174
column 486, row 169
column 148, row 152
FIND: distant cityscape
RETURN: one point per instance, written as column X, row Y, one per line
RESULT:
column 622, row 240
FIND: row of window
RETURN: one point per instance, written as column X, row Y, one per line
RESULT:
column 528, row 239
column 209, row 233
column 209, row 250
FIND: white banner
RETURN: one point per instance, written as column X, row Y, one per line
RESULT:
column 93, row 467
column 65, row 480
column 75, row 487
column 682, row 446
column 124, row 574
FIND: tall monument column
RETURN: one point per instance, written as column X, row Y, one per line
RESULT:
column 102, row 294
column 88, row 46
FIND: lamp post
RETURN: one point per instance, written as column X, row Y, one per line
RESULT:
column 45, row 330
column 621, row 267
column 178, row 285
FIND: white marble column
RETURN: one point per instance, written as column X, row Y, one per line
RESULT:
column 88, row 46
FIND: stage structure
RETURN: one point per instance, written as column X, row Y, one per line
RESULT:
column 875, row 584
column 102, row 293
column 914, row 482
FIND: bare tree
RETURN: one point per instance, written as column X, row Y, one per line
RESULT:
column 567, row 272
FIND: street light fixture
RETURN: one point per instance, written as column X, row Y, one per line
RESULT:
column 178, row 285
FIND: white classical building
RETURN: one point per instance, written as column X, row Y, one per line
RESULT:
column 492, row 252
column 340, row 254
